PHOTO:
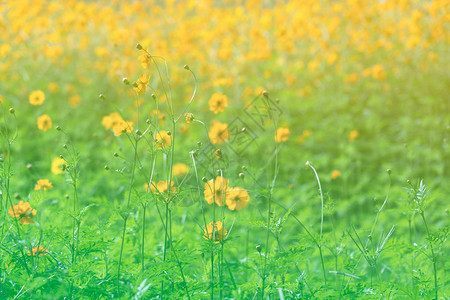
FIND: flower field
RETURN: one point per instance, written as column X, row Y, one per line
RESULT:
column 224, row 149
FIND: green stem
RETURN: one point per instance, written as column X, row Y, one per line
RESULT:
column 433, row 256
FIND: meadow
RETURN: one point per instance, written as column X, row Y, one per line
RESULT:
column 224, row 149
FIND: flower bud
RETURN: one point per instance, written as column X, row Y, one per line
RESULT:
column 11, row 110
column 204, row 179
column 388, row 171
column 138, row 46
column 186, row 67
column 265, row 94
column 116, row 154
column 241, row 175
column 58, row 128
column 126, row 81
column 258, row 248
column 106, row 168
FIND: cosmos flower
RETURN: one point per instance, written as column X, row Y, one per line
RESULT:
column 216, row 190
column 219, row 133
column 23, row 211
column 44, row 122
column 282, row 135
column 237, row 198
column 215, row 232
column 43, row 184
column 36, row 97
column 218, row 102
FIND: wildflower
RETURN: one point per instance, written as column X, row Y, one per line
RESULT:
column 74, row 100
column 122, row 126
column 43, row 184
column 36, row 97
column 218, row 103
column 162, row 188
column 37, row 251
column 282, row 135
column 237, row 198
column 351, row 78
column 164, row 139
column 180, row 169
column 23, row 211
column 378, row 72
column 219, row 133
column 335, row 174
column 44, row 122
column 53, row 87
column 142, row 83
column 216, row 190
column 57, row 163
column 144, row 58
column 189, row 117
column 354, row 134
column 215, row 232
column 111, row 120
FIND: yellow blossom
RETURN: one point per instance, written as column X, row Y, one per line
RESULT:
column 218, row 102
column 36, row 97
column 23, row 211
column 215, row 232
column 219, row 133
column 43, row 184
column 44, row 122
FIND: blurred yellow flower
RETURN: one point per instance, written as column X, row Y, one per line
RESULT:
column 44, row 122
column 216, row 190
column 354, row 134
column 237, row 198
column 23, row 211
column 43, row 184
column 37, row 251
column 218, row 102
column 215, row 232
column 163, row 139
column 162, row 188
column 335, row 174
column 180, row 169
column 111, row 120
column 141, row 83
column 351, row 78
column 122, row 126
column 219, row 133
column 74, row 100
column 189, row 117
column 57, row 163
column 53, row 87
column 36, row 97
column 378, row 72
column 282, row 135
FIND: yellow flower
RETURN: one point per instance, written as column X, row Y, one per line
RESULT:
column 237, row 198
column 111, row 120
column 218, row 102
column 145, row 59
column 282, row 135
column 335, row 174
column 121, row 127
column 56, row 165
column 37, row 251
column 74, row 100
column 162, row 188
column 53, row 87
column 36, row 97
column 215, row 232
column 43, row 184
column 219, row 133
column 44, row 122
column 180, row 169
column 354, row 134
column 189, row 117
column 142, row 83
column 2, row 99
column 23, row 211
column 163, row 139
column 216, row 190
column 378, row 72
column 351, row 78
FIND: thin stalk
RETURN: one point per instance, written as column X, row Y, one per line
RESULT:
column 433, row 256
